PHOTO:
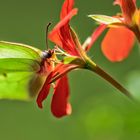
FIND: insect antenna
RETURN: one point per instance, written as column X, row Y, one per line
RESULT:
column 47, row 28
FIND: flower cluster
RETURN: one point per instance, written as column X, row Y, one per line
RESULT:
column 123, row 28
column 74, row 56
column 66, row 39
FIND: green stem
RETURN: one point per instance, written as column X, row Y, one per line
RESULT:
column 136, row 31
column 93, row 67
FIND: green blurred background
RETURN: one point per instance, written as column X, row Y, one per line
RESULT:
column 100, row 112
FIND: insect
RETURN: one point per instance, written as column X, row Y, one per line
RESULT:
column 22, row 69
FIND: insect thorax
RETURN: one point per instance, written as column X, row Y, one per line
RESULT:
column 47, row 54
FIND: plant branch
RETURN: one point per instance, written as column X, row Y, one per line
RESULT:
column 92, row 67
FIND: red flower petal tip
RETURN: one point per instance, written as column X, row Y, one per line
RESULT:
column 60, row 105
column 62, row 113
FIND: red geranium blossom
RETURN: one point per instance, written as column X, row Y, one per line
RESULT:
column 73, row 56
column 119, row 39
column 65, row 37
column 60, row 35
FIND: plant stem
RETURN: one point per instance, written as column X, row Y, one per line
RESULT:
column 136, row 31
column 92, row 67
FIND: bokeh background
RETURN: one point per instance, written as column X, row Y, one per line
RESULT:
column 100, row 112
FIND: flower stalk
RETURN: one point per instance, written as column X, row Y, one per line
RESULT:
column 96, row 69
column 73, row 55
column 136, row 31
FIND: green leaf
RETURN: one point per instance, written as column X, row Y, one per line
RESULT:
column 19, row 65
column 105, row 19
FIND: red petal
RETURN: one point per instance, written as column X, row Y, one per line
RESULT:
column 62, row 69
column 44, row 91
column 60, row 106
column 61, row 35
column 117, row 43
column 128, row 8
column 119, row 2
column 95, row 35
column 54, row 35
column 66, row 8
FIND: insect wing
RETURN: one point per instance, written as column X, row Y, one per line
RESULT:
column 19, row 65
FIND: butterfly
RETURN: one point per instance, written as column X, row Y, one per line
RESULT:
column 22, row 70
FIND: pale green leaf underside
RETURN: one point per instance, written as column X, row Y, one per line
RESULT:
column 105, row 19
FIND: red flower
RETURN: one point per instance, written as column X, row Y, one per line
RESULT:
column 128, row 8
column 61, row 36
column 74, row 57
column 119, row 39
